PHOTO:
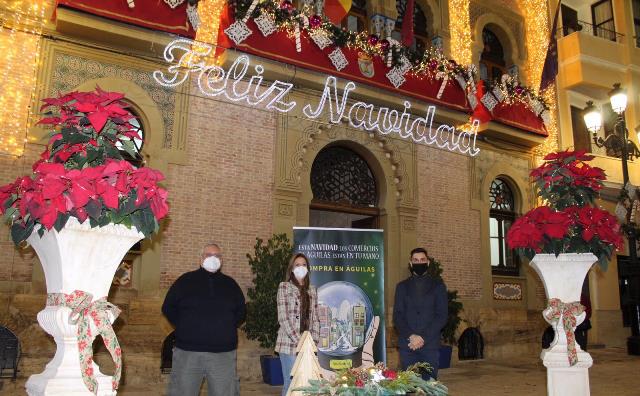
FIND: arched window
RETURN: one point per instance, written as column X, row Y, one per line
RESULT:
column 133, row 153
column 420, row 25
column 356, row 19
column 502, row 214
column 492, row 60
column 345, row 193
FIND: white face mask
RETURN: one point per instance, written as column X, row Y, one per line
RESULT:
column 300, row 272
column 211, row 264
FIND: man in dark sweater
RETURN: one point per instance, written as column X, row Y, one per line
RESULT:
column 419, row 314
column 206, row 307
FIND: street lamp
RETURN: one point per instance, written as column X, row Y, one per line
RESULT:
column 619, row 143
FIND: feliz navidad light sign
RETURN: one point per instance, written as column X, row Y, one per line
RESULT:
column 240, row 84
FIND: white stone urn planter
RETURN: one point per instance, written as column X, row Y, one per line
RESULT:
column 76, row 258
column 563, row 277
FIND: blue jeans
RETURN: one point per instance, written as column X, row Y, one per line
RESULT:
column 431, row 356
column 287, row 361
column 189, row 368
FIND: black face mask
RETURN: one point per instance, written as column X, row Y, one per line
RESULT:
column 419, row 269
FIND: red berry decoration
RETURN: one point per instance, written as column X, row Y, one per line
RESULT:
column 372, row 39
column 315, row 21
column 384, row 44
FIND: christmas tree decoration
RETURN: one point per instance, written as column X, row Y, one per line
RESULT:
column 338, row 59
column 306, row 366
column 131, row 3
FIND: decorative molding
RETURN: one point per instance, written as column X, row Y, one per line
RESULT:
column 514, row 22
column 285, row 209
column 67, row 67
column 409, row 224
column 519, row 168
column 507, row 291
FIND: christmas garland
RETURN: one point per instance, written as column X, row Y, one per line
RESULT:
column 281, row 15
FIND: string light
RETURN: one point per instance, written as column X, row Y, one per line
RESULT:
column 460, row 28
column 214, row 81
column 210, row 12
column 537, row 38
column 550, row 144
column 23, row 21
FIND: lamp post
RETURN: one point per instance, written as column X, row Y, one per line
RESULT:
column 619, row 143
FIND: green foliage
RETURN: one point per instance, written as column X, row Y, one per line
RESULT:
column 377, row 381
column 454, row 306
column 268, row 265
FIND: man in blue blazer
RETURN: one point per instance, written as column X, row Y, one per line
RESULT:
column 419, row 314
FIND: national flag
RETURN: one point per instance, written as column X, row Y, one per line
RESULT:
column 550, row 69
column 407, row 24
column 336, row 10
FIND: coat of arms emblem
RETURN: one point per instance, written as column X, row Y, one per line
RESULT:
column 365, row 63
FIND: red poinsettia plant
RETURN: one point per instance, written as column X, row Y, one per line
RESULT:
column 83, row 173
column 569, row 222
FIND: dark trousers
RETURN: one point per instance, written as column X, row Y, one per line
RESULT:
column 431, row 356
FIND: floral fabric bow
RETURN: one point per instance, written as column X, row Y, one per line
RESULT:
column 568, row 312
column 83, row 310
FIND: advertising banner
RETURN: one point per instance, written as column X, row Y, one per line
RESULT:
column 347, row 267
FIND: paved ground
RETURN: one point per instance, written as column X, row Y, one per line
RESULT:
column 614, row 374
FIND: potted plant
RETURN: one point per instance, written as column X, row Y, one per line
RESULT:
column 563, row 238
column 268, row 265
column 453, row 316
column 81, row 209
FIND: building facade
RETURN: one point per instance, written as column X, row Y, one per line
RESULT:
column 236, row 172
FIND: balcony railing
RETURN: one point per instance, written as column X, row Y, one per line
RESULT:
column 588, row 28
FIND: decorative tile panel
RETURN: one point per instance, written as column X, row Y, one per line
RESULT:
column 69, row 71
column 507, row 291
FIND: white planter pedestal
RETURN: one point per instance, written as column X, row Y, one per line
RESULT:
column 76, row 258
column 563, row 277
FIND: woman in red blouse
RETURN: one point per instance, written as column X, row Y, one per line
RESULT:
column 297, row 313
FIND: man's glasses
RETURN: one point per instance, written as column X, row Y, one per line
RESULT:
column 217, row 255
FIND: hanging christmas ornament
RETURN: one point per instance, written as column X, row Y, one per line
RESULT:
column 266, row 24
column 304, row 21
column 461, row 81
column 384, row 45
column 396, row 77
column 405, row 64
column 192, row 15
column 372, row 40
column 489, row 101
column 320, row 37
column 252, row 7
column 444, row 76
column 173, row 3
column 497, row 92
column 338, row 59
column 238, row 32
column 287, row 5
column 315, row 21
